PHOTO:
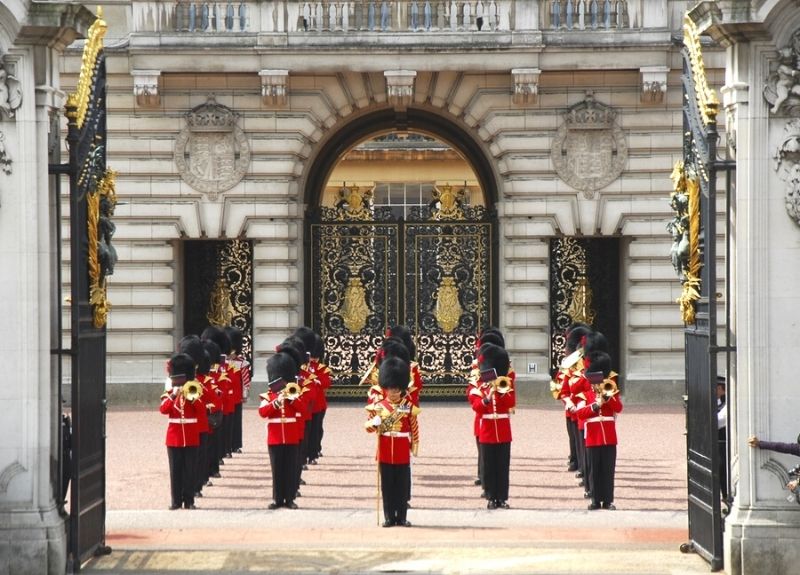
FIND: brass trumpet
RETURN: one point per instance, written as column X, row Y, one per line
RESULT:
column 192, row 390
column 609, row 388
column 291, row 391
column 555, row 388
column 502, row 384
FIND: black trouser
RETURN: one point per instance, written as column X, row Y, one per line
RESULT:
column 572, row 433
column 723, row 466
column 496, row 465
column 321, row 431
column 302, row 453
column 315, row 438
column 212, row 453
column 603, row 464
column 580, row 451
column 227, row 434
column 237, row 428
column 201, row 475
column 394, row 488
column 182, row 472
column 480, row 459
column 283, row 461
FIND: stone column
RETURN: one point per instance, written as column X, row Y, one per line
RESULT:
column 762, row 532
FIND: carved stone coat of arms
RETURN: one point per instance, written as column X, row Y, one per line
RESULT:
column 589, row 151
column 212, row 154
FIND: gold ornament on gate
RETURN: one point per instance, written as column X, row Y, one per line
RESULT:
column 354, row 309
column 448, row 309
column 580, row 310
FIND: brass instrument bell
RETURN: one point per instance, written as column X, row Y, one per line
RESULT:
column 192, row 390
column 609, row 388
column 291, row 391
column 502, row 384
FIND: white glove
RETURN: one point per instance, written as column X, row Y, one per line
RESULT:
column 375, row 421
column 168, row 384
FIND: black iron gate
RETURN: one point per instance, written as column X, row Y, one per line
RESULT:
column 92, row 259
column 218, row 287
column 433, row 272
column 584, row 287
column 694, row 258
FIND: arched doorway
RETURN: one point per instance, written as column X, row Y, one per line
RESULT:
column 401, row 229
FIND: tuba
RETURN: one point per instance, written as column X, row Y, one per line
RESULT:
column 291, row 391
column 192, row 390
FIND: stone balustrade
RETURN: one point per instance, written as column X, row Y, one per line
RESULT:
column 381, row 16
column 586, row 14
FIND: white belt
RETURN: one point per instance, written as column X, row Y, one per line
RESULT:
column 281, row 420
column 181, row 420
column 396, row 434
column 495, row 416
column 599, row 418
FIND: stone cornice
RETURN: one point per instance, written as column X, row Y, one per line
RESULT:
column 55, row 24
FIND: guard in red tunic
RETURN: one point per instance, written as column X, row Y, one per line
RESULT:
column 494, row 399
column 391, row 418
column 225, row 383
column 216, row 443
column 237, row 370
column 284, row 422
column 571, row 363
column 323, row 380
column 192, row 346
column 600, row 431
column 181, row 404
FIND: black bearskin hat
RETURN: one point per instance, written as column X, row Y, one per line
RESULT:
column 575, row 336
column 494, row 357
column 181, row 365
column 404, row 334
column 281, row 366
column 237, row 338
column 394, row 374
column 218, row 336
column 598, row 361
column 192, row 346
column 393, row 347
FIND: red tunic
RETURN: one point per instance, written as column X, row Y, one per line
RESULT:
column 183, row 429
column 284, row 423
column 323, row 382
column 495, row 413
column 395, row 442
column 600, row 427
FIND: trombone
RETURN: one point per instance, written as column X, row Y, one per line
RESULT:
column 192, row 390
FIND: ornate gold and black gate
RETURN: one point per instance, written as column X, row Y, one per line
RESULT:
column 218, row 287
column 92, row 199
column 432, row 272
column 694, row 255
column 584, row 287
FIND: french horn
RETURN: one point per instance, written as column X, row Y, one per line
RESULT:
column 609, row 388
column 502, row 384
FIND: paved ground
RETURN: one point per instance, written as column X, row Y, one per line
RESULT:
column 548, row 529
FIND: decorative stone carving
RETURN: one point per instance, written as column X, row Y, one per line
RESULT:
column 654, row 84
column 783, row 84
column 145, row 88
column 12, row 470
column 10, row 92
column 400, row 88
column 589, row 151
column 212, row 153
column 273, row 87
column 787, row 165
column 526, row 85
column 5, row 157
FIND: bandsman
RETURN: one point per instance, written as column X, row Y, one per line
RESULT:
column 391, row 419
column 180, row 402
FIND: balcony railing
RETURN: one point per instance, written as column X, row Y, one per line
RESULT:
column 388, row 16
column 323, row 16
column 587, row 14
